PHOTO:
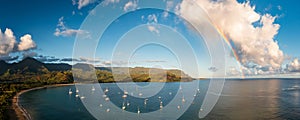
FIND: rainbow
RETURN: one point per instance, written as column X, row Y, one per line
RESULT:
column 227, row 41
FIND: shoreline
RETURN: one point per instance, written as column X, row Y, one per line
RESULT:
column 21, row 113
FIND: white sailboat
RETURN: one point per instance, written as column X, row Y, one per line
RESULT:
column 128, row 103
column 123, row 106
column 82, row 97
column 70, row 91
column 104, row 96
column 138, row 112
column 124, row 96
column 107, row 99
column 145, row 101
column 106, row 90
column 160, row 105
column 93, row 88
column 183, row 100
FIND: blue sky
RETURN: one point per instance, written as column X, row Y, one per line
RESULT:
column 40, row 19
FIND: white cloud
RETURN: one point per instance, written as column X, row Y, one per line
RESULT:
column 7, row 41
column 131, row 5
column 9, row 58
column 82, row 3
column 213, row 69
column 142, row 17
column 92, row 12
column 46, row 59
column 154, row 61
column 62, row 30
column 26, row 43
column 152, row 21
column 255, row 44
column 68, row 32
column 169, row 6
column 89, row 60
column 152, row 28
column 107, row 63
column 279, row 7
column 232, row 71
column 152, row 18
column 29, row 54
column 106, row 2
column 293, row 66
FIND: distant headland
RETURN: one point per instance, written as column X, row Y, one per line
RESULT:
column 32, row 70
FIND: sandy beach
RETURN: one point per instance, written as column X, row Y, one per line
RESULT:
column 21, row 113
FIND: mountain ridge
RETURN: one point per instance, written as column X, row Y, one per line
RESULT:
column 33, row 66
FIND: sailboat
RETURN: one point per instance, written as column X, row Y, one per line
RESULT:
column 106, row 90
column 145, row 101
column 70, row 91
column 128, row 103
column 93, row 88
column 123, row 106
column 82, row 97
column 183, row 100
column 124, row 96
column 161, row 105
column 104, row 96
column 138, row 112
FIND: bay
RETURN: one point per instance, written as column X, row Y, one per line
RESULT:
column 240, row 99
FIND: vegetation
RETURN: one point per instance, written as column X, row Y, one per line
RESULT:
column 133, row 75
column 4, row 104
column 30, row 73
column 15, row 82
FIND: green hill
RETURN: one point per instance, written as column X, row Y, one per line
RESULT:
column 32, row 69
column 28, row 65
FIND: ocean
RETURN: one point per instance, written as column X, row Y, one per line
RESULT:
column 277, row 99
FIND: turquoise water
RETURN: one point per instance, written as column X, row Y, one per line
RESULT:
column 240, row 99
